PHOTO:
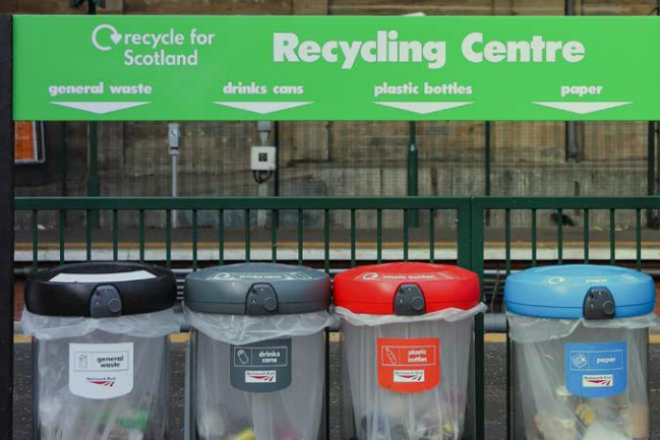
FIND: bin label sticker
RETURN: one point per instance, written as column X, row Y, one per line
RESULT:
column 431, row 276
column 408, row 365
column 596, row 370
column 100, row 371
column 255, row 276
column 261, row 367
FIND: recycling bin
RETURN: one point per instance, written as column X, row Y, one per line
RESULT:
column 100, row 350
column 407, row 337
column 257, row 351
column 580, row 352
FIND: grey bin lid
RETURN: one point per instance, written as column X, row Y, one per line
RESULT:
column 257, row 289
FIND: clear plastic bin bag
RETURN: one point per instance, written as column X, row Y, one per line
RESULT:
column 381, row 413
column 129, row 400
column 146, row 325
column 552, row 408
column 140, row 414
column 240, row 329
column 223, row 412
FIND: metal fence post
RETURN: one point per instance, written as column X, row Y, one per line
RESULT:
column 650, row 170
column 93, row 168
column 466, row 259
column 93, row 189
column 413, row 175
column 476, row 256
column 651, row 217
column 487, row 171
column 7, row 227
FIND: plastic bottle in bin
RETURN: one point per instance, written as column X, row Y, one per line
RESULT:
column 407, row 338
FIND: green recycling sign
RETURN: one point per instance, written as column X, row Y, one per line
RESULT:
column 336, row 68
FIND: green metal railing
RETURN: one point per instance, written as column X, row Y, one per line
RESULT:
column 408, row 207
column 585, row 205
column 469, row 235
column 470, row 231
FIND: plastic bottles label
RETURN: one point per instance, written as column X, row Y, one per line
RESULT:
column 261, row 367
column 596, row 370
column 101, row 371
column 409, row 365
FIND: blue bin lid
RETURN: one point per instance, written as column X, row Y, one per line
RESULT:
column 560, row 291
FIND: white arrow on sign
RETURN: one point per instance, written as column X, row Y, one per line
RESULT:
column 423, row 108
column 100, row 108
column 263, row 108
column 582, row 108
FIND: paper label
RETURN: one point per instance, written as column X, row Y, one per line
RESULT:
column 596, row 370
column 261, row 367
column 101, row 371
column 118, row 277
column 409, row 365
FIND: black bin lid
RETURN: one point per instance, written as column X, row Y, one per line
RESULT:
column 100, row 290
column 257, row 289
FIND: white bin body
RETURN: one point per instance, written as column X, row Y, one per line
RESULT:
column 550, row 411
column 224, row 412
column 108, row 410
column 382, row 414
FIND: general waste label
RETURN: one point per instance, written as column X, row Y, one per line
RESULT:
column 336, row 68
column 596, row 370
column 261, row 367
column 101, row 371
column 408, row 365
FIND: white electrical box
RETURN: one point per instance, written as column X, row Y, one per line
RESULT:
column 174, row 137
column 263, row 158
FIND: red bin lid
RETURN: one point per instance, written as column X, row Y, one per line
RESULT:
column 373, row 289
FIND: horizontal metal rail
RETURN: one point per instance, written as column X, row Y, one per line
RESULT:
column 408, row 206
column 237, row 203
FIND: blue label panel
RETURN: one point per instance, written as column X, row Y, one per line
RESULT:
column 596, row 370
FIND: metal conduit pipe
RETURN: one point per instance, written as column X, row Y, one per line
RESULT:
column 495, row 323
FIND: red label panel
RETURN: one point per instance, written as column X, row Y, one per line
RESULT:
column 409, row 365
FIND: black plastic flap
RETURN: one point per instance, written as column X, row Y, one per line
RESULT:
column 90, row 290
column 599, row 304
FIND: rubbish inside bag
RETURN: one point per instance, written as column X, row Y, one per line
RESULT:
column 582, row 380
column 138, row 412
column 270, row 410
column 390, row 371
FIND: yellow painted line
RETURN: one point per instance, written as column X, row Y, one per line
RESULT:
column 180, row 338
column 495, row 338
